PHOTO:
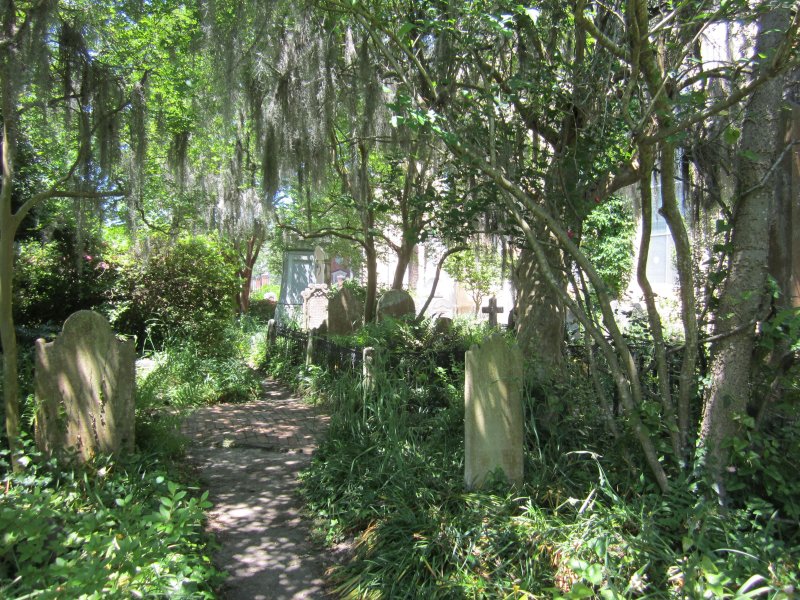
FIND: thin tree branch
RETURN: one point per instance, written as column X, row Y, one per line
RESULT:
column 439, row 266
column 23, row 210
column 601, row 38
column 320, row 233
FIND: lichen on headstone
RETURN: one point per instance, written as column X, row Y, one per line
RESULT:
column 315, row 306
column 345, row 312
column 85, row 387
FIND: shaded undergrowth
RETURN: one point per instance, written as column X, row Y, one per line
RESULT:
column 587, row 522
column 110, row 529
column 130, row 526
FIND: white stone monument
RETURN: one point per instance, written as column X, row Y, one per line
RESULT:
column 322, row 267
column 297, row 274
column 493, row 421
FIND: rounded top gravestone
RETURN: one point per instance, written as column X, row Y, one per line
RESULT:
column 345, row 312
column 443, row 326
column 85, row 384
column 396, row 304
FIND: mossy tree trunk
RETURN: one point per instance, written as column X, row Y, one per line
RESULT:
column 9, row 56
column 728, row 395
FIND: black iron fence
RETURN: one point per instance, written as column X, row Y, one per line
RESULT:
column 338, row 358
column 321, row 351
column 335, row 357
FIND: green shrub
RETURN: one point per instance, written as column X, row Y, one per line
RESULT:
column 608, row 235
column 185, row 376
column 183, row 289
column 263, row 310
column 264, row 291
column 111, row 529
column 51, row 282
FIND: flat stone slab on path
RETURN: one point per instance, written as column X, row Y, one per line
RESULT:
column 249, row 456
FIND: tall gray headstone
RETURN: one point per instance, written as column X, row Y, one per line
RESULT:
column 396, row 304
column 345, row 312
column 85, row 383
column 297, row 274
column 315, row 306
column 493, row 422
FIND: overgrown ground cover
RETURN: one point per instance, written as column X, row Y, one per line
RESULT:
column 389, row 476
column 129, row 527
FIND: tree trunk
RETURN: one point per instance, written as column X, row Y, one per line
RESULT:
column 728, row 395
column 541, row 314
column 683, row 253
column 439, row 266
column 8, row 229
column 370, row 303
column 254, row 245
column 655, row 58
column 8, row 336
column 404, row 255
column 653, row 317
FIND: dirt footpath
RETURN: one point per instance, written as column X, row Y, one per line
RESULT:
column 249, row 456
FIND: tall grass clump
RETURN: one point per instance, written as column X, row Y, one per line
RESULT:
column 388, row 479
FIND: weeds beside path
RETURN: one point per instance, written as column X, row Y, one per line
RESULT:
column 249, row 455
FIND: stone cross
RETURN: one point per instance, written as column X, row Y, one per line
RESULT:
column 492, row 310
column 493, row 419
column 85, row 384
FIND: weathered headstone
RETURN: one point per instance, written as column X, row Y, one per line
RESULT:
column 443, row 326
column 85, row 385
column 395, row 304
column 272, row 333
column 492, row 310
column 315, row 306
column 493, row 423
column 297, row 274
column 345, row 312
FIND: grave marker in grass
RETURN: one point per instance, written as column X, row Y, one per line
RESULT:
column 493, row 420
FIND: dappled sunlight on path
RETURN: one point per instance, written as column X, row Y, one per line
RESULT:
column 249, row 455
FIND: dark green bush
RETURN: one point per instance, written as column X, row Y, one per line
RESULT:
column 183, row 289
column 263, row 310
column 51, row 281
column 608, row 236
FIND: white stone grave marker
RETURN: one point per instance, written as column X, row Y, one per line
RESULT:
column 493, row 422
